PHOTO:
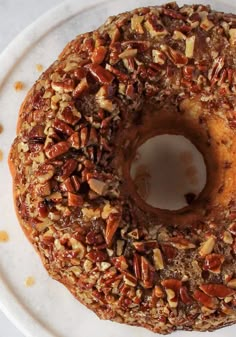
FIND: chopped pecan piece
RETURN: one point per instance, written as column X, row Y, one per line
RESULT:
column 232, row 34
column 137, row 266
column 101, row 74
column 81, row 87
column 232, row 228
column 232, row 283
column 158, row 57
column 97, row 256
column 217, row 290
column 75, row 200
column 184, row 295
column 97, row 186
column 113, row 223
column 136, row 24
column 62, row 127
column 227, row 238
column 169, row 252
column 173, row 284
column 144, row 246
column 207, row 246
column 57, row 150
column 74, row 140
column 172, row 298
column 147, row 273
column 99, row 54
column 104, row 100
column 64, row 86
column 155, row 28
column 181, row 243
column 175, row 56
column 45, row 173
column 213, row 262
column 204, row 299
column 120, row 263
column 206, row 24
column 129, row 279
column 190, row 44
column 158, row 259
column 129, row 52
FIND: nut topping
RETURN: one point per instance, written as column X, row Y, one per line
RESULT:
column 217, row 290
column 136, row 24
column 175, row 56
column 232, row 34
column 232, row 283
column 97, row 186
column 204, row 299
column 120, row 263
column 152, row 70
column 207, row 246
column 101, row 74
column 113, row 223
column 158, row 259
column 158, row 57
column 213, row 262
column 181, row 243
column 128, row 53
column 99, row 55
column 57, row 150
column 189, row 49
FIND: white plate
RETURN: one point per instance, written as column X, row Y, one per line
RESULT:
column 48, row 309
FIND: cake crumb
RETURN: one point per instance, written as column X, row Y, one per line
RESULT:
column 1, row 128
column 1, row 155
column 39, row 67
column 4, row 237
column 18, row 85
column 29, row 281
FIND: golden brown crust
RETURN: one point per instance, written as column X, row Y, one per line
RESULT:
column 150, row 71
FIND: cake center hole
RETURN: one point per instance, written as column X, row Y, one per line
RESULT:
column 168, row 172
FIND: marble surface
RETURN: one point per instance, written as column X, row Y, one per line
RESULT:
column 15, row 15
